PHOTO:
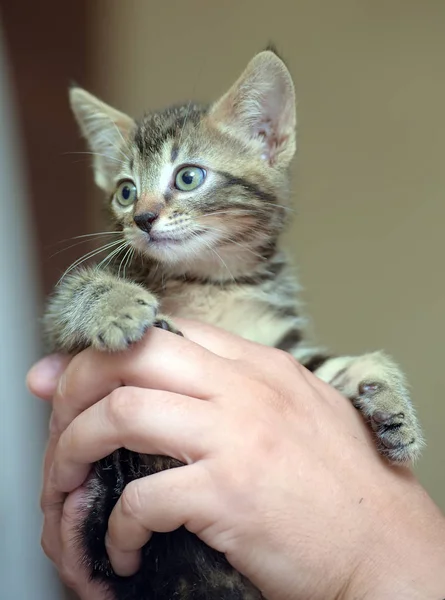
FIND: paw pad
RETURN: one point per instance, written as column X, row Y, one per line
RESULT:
column 369, row 388
column 381, row 416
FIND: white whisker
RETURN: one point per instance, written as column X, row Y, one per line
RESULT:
column 123, row 261
column 90, row 237
column 123, row 140
column 280, row 206
column 106, row 261
column 198, row 77
column 185, row 121
column 129, row 259
column 96, row 234
column 87, row 256
column 230, row 240
column 107, row 156
column 234, row 210
column 226, row 212
column 207, row 245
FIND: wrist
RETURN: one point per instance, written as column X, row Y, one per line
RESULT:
column 405, row 554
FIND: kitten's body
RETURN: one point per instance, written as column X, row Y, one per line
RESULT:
column 211, row 253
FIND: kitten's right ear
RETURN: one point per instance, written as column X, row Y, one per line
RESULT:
column 106, row 131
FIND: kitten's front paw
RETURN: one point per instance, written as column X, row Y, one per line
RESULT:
column 376, row 386
column 124, row 315
column 392, row 419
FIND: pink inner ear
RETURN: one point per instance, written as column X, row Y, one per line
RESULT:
column 260, row 107
column 271, row 140
column 264, row 133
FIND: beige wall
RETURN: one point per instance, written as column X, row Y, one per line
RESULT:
column 369, row 185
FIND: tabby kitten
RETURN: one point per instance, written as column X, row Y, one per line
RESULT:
column 198, row 198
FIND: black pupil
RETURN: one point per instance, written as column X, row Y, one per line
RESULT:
column 126, row 191
column 188, row 177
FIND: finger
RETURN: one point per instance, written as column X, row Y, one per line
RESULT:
column 144, row 421
column 52, row 505
column 43, row 377
column 157, row 503
column 216, row 340
column 162, row 361
column 51, row 502
column 261, row 360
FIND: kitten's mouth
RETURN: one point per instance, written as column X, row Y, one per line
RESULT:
column 163, row 239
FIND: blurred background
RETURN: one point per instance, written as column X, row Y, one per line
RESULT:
column 368, row 187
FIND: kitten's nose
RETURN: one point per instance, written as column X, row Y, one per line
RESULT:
column 145, row 220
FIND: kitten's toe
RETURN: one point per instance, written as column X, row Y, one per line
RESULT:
column 393, row 421
column 122, row 326
column 166, row 324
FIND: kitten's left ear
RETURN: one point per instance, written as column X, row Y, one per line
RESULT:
column 260, row 109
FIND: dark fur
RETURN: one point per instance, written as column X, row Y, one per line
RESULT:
column 174, row 565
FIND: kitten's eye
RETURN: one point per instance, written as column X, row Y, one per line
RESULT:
column 126, row 193
column 189, row 178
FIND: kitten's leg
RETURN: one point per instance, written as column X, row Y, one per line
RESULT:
column 377, row 387
column 95, row 308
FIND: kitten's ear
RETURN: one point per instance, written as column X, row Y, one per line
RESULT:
column 260, row 108
column 106, row 130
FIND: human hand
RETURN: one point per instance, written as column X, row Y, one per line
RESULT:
column 61, row 511
column 281, row 473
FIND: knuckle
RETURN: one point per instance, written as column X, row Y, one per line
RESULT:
column 68, row 443
column 45, row 503
column 275, row 399
column 67, row 574
column 263, row 435
column 46, row 547
column 122, row 405
column 51, row 501
column 131, row 501
column 285, row 359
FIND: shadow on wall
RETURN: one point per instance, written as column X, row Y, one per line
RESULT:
column 24, row 570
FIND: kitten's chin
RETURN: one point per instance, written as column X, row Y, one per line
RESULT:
column 172, row 250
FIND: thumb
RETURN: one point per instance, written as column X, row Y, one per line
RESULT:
column 43, row 377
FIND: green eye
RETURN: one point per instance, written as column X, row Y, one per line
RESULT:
column 189, row 178
column 126, row 193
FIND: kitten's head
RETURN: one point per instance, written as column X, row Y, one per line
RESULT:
column 200, row 187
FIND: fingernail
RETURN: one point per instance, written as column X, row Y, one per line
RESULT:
column 124, row 563
column 46, row 372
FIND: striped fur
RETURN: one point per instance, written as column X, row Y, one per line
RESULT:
column 212, row 254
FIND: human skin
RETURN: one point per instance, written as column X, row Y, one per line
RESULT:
column 281, row 473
